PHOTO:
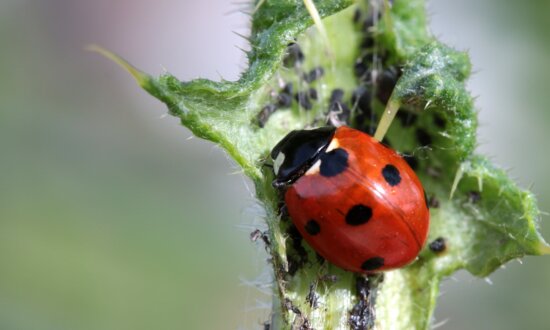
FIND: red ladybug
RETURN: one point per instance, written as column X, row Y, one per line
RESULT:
column 354, row 200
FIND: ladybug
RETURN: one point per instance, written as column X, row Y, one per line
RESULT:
column 354, row 200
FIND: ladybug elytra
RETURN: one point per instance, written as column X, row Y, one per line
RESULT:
column 354, row 200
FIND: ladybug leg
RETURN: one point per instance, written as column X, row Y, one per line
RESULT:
column 283, row 211
column 265, row 162
column 280, row 185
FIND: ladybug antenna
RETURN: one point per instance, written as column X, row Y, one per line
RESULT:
column 389, row 114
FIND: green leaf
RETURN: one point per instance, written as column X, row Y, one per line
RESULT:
column 487, row 221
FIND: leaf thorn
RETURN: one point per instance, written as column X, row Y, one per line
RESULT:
column 141, row 78
column 544, row 248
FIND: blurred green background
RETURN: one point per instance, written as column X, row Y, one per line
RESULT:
column 112, row 218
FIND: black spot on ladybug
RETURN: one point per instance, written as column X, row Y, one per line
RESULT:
column 358, row 215
column 474, row 197
column 333, row 162
column 391, row 175
column 303, row 100
column 411, row 160
column 314, row 74
column 312, row 227
column 284, row 100
column 372, row 264
column 439, row 121
column 438, row 245
column 423, row 137
column 312, row 92
column 265, row 113
column 294, row 55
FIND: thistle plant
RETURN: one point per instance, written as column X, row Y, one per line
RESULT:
column 370, row 66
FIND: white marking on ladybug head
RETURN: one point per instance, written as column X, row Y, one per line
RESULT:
column 315, row 168
column 334, row 144
column 277, row 162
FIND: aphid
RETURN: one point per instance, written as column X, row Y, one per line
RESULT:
column 312, row 93
column 288, row 89
column 433, row 202
column 337, row 95
column 385, row 82
column 361, row 67
column 362, row 98
column 312, row 298
column 357, row 15
column 284, row 100
column 265, row 113
column 474, row 197
column 256, row 234
column 438, row 245
column 406, row 118
column 411, row 160
column 294, row 55
column 303, row 100
column 368, row 42
column 338, row 112
column 314, row 74
column 362, row 315
column 439, row 121
column 423, row 137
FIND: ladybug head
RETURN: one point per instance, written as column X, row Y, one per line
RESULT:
column 297, row 151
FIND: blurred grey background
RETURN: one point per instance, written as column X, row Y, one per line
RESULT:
column 112, row 218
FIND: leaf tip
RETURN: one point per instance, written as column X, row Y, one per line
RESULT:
column 544, row 248
column 141, row 78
